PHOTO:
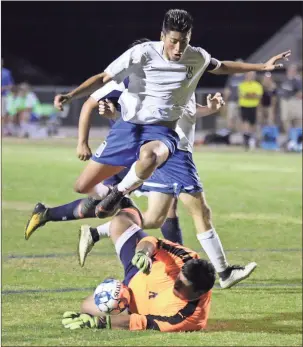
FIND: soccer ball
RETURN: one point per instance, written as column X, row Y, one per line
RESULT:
column 111, row 296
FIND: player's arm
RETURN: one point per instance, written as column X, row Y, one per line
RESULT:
column 214, row 103
column 85, row 89
column 145, row 250
column 83, row 149
column 111, row 91
column 230, row 67
column 117, row 71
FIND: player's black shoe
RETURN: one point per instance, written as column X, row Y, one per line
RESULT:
column 38, row 219
column 109, row 205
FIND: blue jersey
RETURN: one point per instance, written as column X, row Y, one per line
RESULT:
column 6, row 80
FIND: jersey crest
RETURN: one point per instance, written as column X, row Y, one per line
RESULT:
column 189, row 72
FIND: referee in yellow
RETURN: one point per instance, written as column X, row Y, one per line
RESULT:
column 250, row 94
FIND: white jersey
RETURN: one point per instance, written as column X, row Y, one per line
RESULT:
column 186, row 126
column 158, row 89
column 107, row 90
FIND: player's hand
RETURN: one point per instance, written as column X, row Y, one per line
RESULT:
column 216, row 102
column 74, row 320
column 60, row 100
column 271, row 63
column 83, row 151
column 107, row 109
column 142, row 261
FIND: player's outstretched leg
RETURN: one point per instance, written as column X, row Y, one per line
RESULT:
column 78, row 209
column 211, row 243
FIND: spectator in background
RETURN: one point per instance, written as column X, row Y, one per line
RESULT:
column 250, row 94
column 230, row 95
column 7, row 83
column 28, row 102
column 12, row 104
column 291, row 99
column 268, row 104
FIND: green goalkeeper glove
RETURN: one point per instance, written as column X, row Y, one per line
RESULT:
column 74, row 320
column 142, row 261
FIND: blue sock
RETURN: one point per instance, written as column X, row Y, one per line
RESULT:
column 67, row 212
column 171, row 230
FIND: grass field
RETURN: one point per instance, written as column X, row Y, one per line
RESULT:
column 256, row 200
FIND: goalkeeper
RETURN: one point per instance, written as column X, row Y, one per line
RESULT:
column 169, row 285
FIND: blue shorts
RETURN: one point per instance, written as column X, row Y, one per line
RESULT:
column 116, row 179
column 178, row 175
column 122, row 145
column 127, row 250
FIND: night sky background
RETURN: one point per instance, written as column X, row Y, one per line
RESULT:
column 70, row 41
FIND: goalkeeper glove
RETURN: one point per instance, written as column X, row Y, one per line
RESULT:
column 142, row 261
column 74, row 320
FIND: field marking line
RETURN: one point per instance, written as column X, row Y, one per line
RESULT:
column 217, row 286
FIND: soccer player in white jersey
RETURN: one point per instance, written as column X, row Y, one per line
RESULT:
column 163, row 76
column 178, row 177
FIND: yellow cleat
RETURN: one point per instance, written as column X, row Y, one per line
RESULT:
column 37, row 219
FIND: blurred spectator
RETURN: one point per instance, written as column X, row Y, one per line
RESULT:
column 12, row 105
column 250, row 94
column 7, row 83
column 28, row 102
column 268, row 104
column 291, row 99
column 230, row 96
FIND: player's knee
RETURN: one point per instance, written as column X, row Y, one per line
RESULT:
column 149, row 157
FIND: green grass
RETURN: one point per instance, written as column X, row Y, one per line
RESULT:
column 256, row 200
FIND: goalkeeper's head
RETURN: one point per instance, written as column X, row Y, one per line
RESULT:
column 196, row 278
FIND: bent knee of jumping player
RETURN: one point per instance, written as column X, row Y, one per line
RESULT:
column 152, row 155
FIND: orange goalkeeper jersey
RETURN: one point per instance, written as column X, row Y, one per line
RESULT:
column 153, row 304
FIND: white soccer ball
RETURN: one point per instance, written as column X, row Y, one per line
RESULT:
column 110, row 296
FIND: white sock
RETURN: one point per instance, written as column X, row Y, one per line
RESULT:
column 130, row 180
column 101, row 191
column 103, row 230
column 212, row 246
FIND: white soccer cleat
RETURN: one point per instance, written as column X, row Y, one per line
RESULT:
column 85, row 245
column 237, row 274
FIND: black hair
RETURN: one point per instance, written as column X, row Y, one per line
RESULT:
column 201, row 273
column 137, row 42
column 177, row 20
